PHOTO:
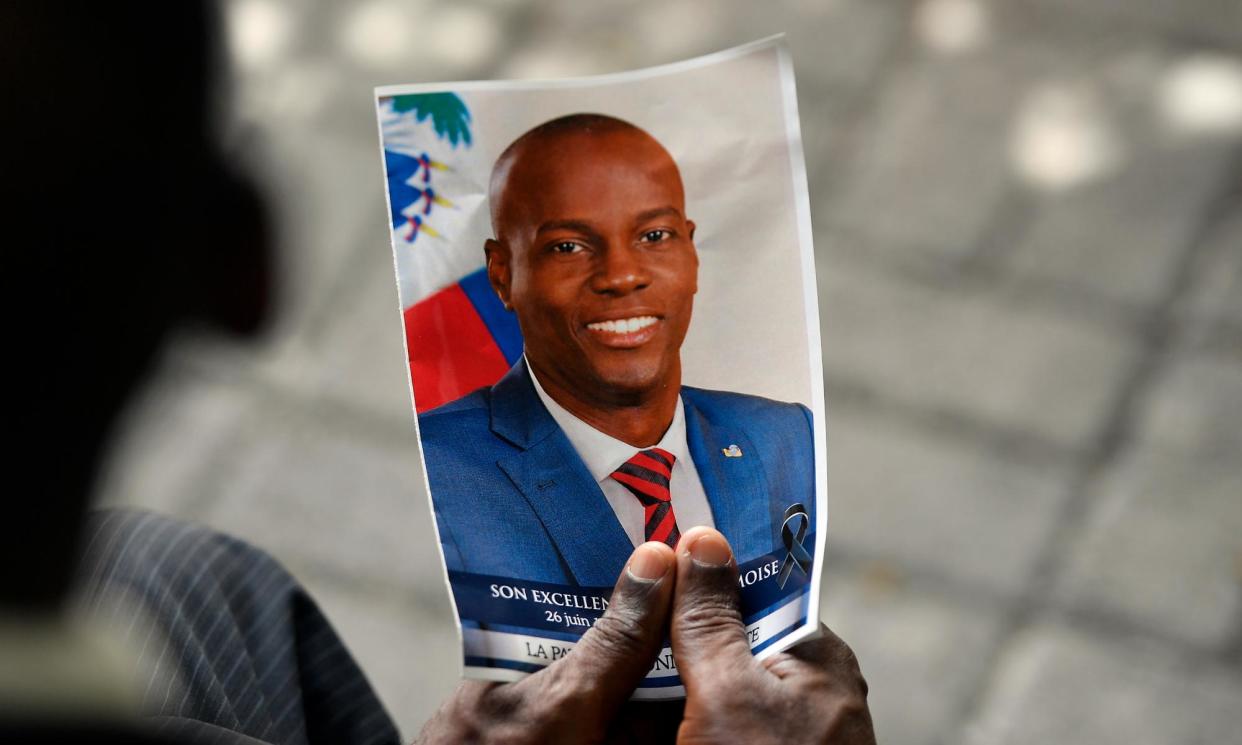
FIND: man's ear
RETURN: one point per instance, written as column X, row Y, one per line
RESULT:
column 690, row 226
column 498, row 272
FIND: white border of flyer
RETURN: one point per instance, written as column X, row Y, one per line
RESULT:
column 508, row 331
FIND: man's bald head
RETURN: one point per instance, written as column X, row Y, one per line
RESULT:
column 534, row 157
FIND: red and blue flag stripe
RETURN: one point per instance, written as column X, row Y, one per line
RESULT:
column 460, row 338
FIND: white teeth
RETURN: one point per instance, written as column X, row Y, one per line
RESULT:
column 623, row 325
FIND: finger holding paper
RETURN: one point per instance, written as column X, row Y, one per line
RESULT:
column 814, row 693
column 575, row 699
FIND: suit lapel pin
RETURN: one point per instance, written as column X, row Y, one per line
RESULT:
column 733, row 451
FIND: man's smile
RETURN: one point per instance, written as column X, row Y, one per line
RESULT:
column 625, row 333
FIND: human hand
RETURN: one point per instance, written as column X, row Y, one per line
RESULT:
column 813, row 693
column 575, row 699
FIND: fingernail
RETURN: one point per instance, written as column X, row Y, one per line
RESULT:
column 649, row 563
column 711, row 549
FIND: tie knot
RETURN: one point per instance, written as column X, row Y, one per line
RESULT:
column 658, row 456
column 647, row 473
column 646, row 476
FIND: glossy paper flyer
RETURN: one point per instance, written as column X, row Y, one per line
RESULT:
column 608, row 295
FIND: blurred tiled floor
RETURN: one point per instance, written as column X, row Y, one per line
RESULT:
column 1029, row 236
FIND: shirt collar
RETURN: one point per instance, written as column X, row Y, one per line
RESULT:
column 603, row 453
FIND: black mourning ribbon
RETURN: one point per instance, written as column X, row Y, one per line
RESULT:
column 796, row 555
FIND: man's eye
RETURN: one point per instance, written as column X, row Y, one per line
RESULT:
column 655, row 236
column 566, row 247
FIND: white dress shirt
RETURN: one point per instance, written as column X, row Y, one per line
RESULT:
column 604, row 454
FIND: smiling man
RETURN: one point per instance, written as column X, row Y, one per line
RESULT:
column 591, row 445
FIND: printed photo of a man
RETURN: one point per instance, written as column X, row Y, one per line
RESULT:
column 591, row 444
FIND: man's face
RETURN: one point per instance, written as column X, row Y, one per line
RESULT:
column 596, row 257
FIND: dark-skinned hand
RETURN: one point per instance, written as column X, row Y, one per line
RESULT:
column 813, row 693
column 577, row 698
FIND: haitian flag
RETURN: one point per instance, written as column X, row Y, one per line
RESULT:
column 458, row 335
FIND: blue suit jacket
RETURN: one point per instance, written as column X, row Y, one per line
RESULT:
column 513, row 499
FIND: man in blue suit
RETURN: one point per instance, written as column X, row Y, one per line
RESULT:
column 590, row 444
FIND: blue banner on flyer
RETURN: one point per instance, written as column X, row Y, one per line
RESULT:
column 487, row 601
column 523, row 626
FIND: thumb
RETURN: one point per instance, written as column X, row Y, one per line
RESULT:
column 706, row 629
column 614, row 655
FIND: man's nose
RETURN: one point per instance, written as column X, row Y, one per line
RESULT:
column 620, row 269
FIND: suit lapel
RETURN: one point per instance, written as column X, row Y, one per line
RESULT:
column 734, row 486
column 556, row 484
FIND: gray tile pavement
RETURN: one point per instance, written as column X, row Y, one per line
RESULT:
column 1160, row 548
column 1214, row 22
column 1195, row 408
column 1112, row 238
column 1215, row 297
column 166, row 445
column 324, row 492
column 970, row 351
column 917, row 648
column 1059, row 684
column 938, row 502
column 929, row 167
column 360, row 356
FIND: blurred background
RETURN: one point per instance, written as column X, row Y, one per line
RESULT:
column 1028, row 225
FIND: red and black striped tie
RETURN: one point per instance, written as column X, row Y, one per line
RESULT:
column 646, row 475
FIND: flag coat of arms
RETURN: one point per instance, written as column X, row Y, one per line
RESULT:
column 459, row 336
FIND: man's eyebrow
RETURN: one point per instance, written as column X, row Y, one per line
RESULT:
column 658, row 212
column 579, row 226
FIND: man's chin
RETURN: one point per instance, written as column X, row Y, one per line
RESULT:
column 632, row 386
